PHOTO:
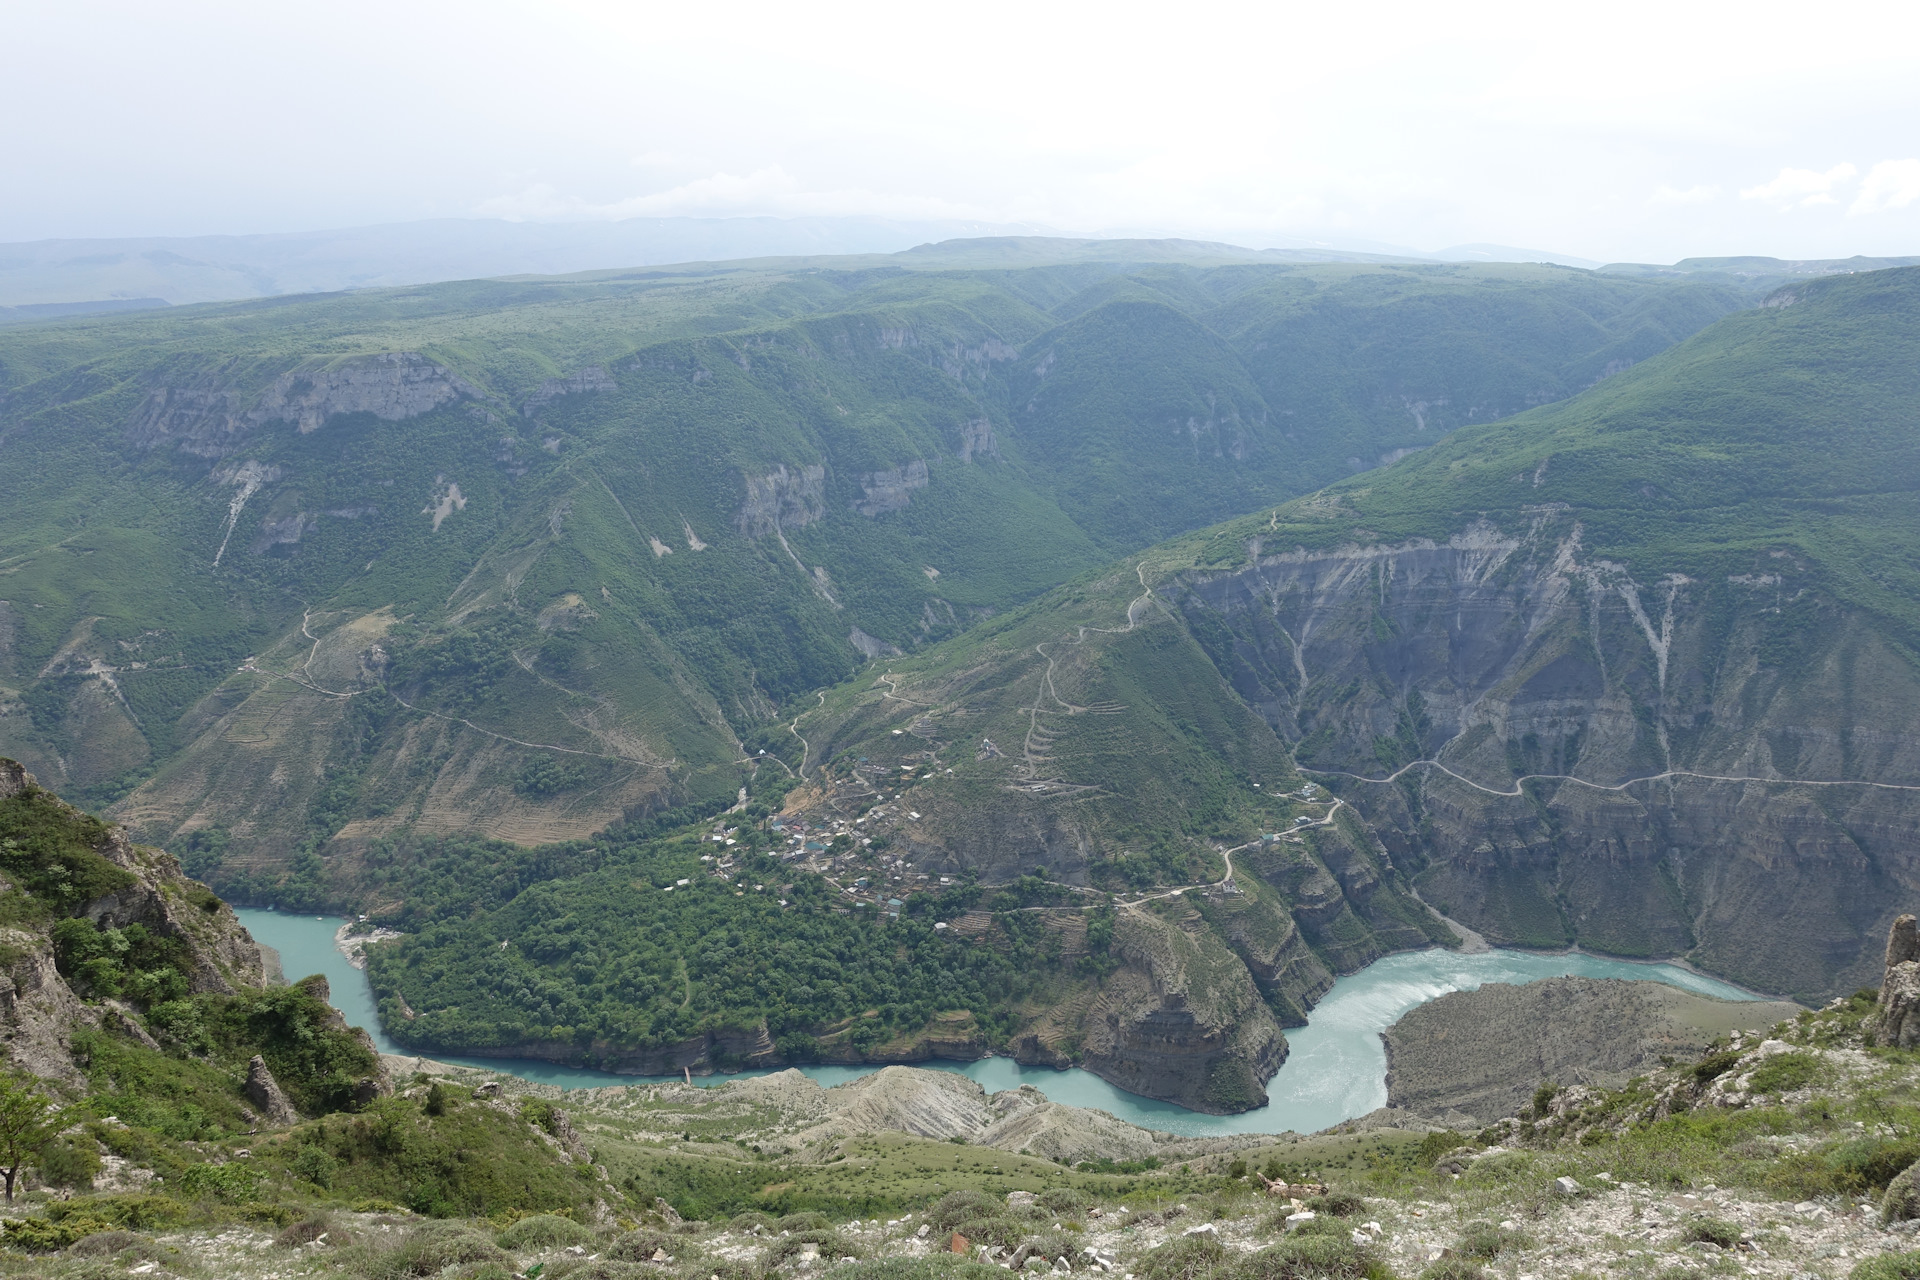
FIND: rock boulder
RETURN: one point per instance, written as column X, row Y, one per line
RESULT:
column 1897, row 1021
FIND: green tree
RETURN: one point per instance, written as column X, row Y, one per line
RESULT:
column 28, row 1121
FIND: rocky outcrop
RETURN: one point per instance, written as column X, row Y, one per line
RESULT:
column 1484, row 1052
column 977, row 440
column 211, row 416
column 266, row 1095
column 870, row 646
column 368, row 1088
column 1264, row 934
column 782, row 499
column 394, row 386
column 1181, row 1020
column 1025, row 1121
column 927, row 1104
column 38, row 1011
column 892, row 489
column 579, row 382
column 220, row 954
column 1896, row 1021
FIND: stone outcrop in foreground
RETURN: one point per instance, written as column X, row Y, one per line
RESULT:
column 1897, row 1022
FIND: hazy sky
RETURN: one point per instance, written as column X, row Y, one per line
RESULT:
column 1636, row 131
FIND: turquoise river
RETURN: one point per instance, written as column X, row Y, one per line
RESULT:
column 1335, row 1071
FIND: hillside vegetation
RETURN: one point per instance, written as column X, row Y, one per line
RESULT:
column 1653, row 719
column 290, row 578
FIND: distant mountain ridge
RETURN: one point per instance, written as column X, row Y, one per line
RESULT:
column 188, row 269
column 106, row 274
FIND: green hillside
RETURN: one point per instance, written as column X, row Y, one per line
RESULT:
column 521, row 559
column 1642, row 583
column 1791, row 428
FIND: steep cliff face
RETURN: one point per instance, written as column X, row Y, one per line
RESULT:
column 107, row 936
column 151, row 891
column 212, row 413
column 1182, row 1019
column 1646, row 768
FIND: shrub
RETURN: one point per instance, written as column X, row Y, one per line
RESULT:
column 1888, row 1266
column 1341, row 1204
column 803, row 1222
column 1486, row 1241
column 602, row 1269
column 1312, row 1257
column 832, row 1246
column 1714, row 1065
column 133, row 1212
column 66, row 1163
column 1002, row 1231
column 956, row 1207
column 112, row 1244
column 935, row 1267
column 1187, row 1258
column 42, row 1235
column 315, row 1164
column 640, row 1246
column 429, row 1250
column 751, row 1220
column 1713, row 1231
column 1064, row 1200
column 232, row 1181
column 1784, row 1072
column 1049, row 1245
column 731, row 1271
column 1454, row 1269
column 1322, row 1226
column 1430, row 1148
column 544, row 1231
column 269, row 1214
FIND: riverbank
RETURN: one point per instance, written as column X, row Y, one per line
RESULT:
column 1335, row 1071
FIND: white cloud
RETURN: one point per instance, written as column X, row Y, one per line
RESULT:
column 1801, row 187
column 1692, row 195
column 1891, row 184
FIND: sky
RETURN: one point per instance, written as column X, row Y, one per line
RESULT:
column 1626, row 131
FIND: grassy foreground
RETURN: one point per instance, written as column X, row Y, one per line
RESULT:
column 1767, row 1156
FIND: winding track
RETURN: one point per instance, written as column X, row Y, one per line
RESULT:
column 1519, row 782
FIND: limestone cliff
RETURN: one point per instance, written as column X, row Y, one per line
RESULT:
column 1699, row 780
column 1182, row 1019
column 212, row 414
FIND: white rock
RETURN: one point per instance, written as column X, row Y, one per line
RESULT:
column 1566, row 1186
